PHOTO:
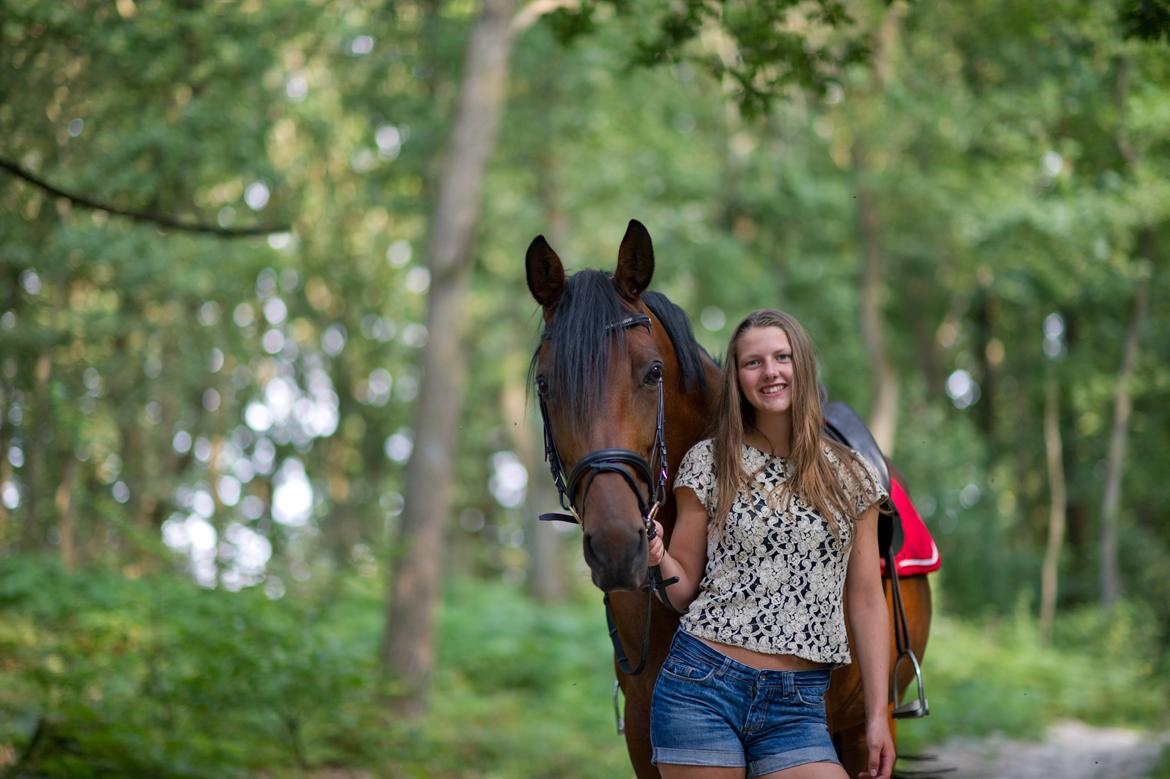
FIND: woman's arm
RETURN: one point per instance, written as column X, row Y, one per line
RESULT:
column 687, row 556
column 870, row 623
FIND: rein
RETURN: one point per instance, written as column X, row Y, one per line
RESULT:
column 619, row 461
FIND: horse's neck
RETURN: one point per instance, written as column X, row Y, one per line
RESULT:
column 688, row 419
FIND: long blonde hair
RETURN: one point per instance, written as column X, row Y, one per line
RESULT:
column 809, row 474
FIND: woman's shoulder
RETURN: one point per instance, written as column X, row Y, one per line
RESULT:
column 703, row 450
column 844, row 457
column 856, row 473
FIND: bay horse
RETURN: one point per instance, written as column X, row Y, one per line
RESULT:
column 623, row 383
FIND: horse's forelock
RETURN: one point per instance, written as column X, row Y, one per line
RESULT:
column 580, row 343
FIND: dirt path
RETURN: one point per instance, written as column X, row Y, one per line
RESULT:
column 1071, row 750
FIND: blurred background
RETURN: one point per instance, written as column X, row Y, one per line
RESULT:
column 268, row 469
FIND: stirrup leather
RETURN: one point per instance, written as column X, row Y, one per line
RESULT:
column 916, row 707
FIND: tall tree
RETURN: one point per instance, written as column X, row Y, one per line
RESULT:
column 408, row 645
column 1110, row 583
column 883, row 416
column 1058, row 506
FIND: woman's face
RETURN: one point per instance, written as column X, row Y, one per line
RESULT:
column 765, row 369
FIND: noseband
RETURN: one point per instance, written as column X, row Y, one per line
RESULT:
column 617, row 461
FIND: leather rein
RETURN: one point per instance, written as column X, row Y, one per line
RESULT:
column 621, row 462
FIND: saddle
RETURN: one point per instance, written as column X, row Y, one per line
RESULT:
column 845, row 426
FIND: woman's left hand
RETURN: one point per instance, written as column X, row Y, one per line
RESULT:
column 881, row 750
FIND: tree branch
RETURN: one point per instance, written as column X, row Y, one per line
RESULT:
column 529, row 14
column 140, row 216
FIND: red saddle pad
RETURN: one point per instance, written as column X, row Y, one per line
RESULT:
column 919, row 553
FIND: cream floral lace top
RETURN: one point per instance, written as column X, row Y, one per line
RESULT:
column 774, row 579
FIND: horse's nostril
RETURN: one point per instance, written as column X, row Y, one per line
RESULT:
column 587, row 543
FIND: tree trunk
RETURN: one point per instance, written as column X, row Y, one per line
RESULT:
column 35, row 447
column 218, row 512
column 546, row 580
column 1110, row 587
column 66, row 516
column 542, row 540
column 983, row 316
column 883, row 416
column 1058, row 506
column 408, row 645
column 7, row 397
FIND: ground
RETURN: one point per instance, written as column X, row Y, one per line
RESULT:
column 1071, row 750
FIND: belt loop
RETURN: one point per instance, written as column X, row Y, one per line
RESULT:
column 788, row 679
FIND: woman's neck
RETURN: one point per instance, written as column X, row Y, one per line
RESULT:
column 772, row 434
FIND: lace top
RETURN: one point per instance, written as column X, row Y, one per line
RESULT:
column 774, row 579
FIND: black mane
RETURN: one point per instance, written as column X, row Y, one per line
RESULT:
column 687, row 350
column 580, row 343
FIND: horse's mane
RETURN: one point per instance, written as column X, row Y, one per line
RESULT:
column 580, row 343
column 687, row 350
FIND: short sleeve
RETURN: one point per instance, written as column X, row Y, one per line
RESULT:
column 697, row 471
column 867, row 488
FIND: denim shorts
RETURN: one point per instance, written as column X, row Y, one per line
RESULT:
column 711, row 710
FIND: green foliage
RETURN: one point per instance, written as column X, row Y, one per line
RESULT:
column 155, row 677
column 522, row 690
column 1018, row 165
column 1146, row 19
column 997, row 676
column 111, row 676
column 1162, row 769
column 779, row 46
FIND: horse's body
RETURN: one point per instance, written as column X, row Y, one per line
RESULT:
column 596, row 379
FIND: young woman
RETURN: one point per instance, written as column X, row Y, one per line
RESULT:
column 774, row 524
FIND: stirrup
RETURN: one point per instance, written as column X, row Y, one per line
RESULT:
column 917, row 707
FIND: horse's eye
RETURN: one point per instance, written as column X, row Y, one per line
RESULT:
column 655, row 374
column 542, row 386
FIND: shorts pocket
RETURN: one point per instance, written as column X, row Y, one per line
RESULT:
column 687, row 669
column 812, row 695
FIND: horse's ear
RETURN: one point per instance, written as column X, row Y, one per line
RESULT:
column 546, row 274
column 635, row 262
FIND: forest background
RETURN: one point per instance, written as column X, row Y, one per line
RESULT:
column 268, row 473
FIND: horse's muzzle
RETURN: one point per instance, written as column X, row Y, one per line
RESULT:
column 617, row 564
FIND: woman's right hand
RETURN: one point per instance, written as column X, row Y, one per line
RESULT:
column 657, row 547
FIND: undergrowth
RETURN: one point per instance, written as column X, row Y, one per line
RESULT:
column 107, row 676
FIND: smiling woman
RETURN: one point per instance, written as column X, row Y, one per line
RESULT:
column 775, row 524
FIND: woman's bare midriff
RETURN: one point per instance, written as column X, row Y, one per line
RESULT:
column 764, row 662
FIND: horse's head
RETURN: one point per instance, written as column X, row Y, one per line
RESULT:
column 599, row 371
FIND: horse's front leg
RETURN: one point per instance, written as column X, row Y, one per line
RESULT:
column 629, row 615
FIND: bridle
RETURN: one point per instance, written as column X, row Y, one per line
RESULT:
column 611, row 460
column 615, row 460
